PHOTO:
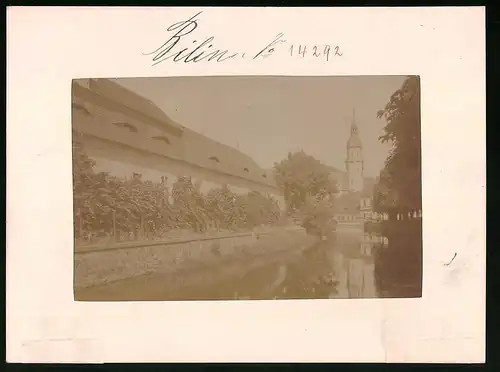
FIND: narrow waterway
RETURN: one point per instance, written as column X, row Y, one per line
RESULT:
column 339, row 267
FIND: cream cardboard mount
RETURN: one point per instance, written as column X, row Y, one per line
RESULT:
column 444, row 46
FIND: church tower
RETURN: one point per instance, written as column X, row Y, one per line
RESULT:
column 354, row 159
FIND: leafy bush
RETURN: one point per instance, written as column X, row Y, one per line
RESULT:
column 317, row 216
column 104, row 204
column 308, row 191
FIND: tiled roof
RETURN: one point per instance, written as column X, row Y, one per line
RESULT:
column 334, row 170
column 205, row 152
column 112, row 90
column 190, row 147
column 338, row 176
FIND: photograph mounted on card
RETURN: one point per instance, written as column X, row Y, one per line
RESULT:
column 221, row 188
column 245, row 184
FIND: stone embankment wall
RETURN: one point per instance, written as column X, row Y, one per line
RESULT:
column 99, row 265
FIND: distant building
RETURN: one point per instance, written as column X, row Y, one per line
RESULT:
column 354, row 200
column 127, row 135
column 354, row 162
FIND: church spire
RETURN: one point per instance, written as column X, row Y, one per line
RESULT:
column 354, row 126
column 354, row 140
column 354, row 158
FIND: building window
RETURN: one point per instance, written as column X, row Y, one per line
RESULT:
column 125, row 125
column 214, row 158
column 162, row 138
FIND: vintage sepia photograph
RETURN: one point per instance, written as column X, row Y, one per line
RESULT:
column 247, row 188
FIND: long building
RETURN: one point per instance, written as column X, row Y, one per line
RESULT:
column 126, row 134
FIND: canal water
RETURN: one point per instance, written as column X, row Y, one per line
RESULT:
column 340, row 267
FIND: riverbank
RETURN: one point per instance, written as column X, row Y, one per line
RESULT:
column 100, row 275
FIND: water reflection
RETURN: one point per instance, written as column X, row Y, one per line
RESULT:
column 353, row 261
column 340, row 267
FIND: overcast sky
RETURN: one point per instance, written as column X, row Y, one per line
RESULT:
column 266, row 117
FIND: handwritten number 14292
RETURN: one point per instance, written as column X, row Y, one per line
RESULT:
column 326, row 51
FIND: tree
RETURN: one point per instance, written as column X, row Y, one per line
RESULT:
column 88, row 190
column 317, row 215
column 308, row 191
column 105, row 204
column 399, row 191
column 261, row 209
column 400, row 181
column 301, row 175
column 385, row 197
column 83, row 168
column 189, row 204
column 225, row 207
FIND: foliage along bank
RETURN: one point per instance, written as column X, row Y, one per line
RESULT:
column 308, row 192
column 399, row 189
column 133, row 208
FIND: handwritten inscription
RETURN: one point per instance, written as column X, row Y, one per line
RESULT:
column 179, row 48
column 270, row 48
column 324, row 51
column 202, row 51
